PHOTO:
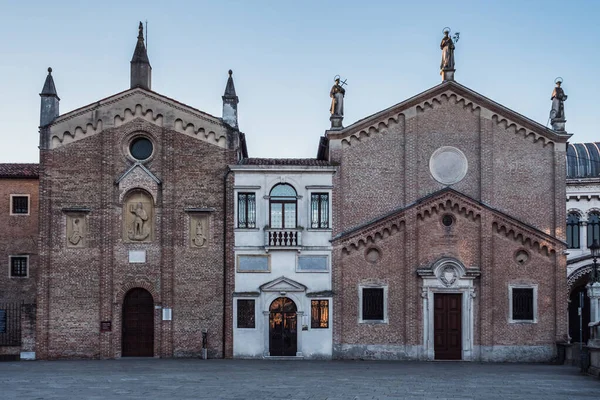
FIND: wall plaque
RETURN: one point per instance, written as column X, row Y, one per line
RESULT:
column 253, row 264
column 137, row 256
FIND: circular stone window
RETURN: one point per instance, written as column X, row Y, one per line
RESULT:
column 372, row 255
column 141, row 148
column 447, row 220
column 521, row 257
column 448, row 165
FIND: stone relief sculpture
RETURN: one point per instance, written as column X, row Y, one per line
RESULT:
column 138, row 218
column 557, row 113
column 75, row 231
column 198, row 231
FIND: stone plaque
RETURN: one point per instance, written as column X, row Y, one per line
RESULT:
column 253, row 264
column 137, row 256
column 76, row 230
column 312, row 264
column 448, row 165
column 199, row 231
column 167, row 314
column 138, row 218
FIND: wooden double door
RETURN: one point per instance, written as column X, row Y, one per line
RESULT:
column 447, row 329
column 138, row 324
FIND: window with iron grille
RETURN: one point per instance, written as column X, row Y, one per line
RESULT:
column 319, row 314
column 573, row 231
column 319, row 210
column 372, row 304
column 245, row 314
column 20, row 204
column 247, row 210
column 2, row 321
column 522, row 304
column 18, row 266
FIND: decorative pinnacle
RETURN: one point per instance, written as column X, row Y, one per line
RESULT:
column 49, row 70
column 230, row 72
column 141, row 31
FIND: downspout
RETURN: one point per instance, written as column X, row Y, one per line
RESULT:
column 225, row 259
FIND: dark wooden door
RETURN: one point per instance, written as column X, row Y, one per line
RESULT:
column 138, row 324
column 282, row 328
column 447, row 326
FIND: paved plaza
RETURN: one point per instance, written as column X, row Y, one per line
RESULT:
column 245, row 379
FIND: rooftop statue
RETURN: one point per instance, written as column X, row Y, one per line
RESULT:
column 557, row 113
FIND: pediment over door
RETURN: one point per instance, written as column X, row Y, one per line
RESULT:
column 283, row 284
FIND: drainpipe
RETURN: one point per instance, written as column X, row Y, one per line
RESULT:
column 225, row 258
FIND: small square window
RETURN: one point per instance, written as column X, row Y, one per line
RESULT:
column 18, row 266
column 319, row 314
column 523, row 307
column 245, row 314
column 19, row 204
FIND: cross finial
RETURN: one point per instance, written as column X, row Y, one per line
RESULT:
column 141, row 31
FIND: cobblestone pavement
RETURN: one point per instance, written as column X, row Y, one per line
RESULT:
column 245, row 379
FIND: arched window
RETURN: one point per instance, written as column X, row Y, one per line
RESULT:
column 573, row 231
column 593, row 229
column 283, row 206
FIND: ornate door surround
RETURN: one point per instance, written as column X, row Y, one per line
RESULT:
column 448, row 275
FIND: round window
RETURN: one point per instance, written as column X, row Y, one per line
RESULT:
column 141, row 148
column 447, row 220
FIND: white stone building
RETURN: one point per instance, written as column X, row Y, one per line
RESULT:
column 583, row 227
column 282, row 303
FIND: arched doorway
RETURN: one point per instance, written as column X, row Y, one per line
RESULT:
column 282, row 328
column 578, row 292
column 138, row 324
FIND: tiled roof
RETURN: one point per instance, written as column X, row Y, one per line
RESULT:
column 285, row 161
column 29, row 171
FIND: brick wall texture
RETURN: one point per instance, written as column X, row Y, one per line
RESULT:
column 81, row 287
column 511, row 199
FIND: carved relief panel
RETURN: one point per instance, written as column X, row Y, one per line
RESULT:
column 138, row 217
column 199, row 230
column 76, row 227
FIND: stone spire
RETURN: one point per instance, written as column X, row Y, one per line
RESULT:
column 230, row 102
column 49, row 104
column 141, row 71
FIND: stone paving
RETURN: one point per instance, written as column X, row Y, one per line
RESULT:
column 245, row 379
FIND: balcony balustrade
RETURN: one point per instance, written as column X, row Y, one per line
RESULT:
column 281, row 238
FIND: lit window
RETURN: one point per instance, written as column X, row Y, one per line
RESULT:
column 319, row 314
column 246, row 210
column 319, row 210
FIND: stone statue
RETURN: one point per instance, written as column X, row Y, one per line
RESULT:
column 447, row 47
column 199, row 238
column 558, row 102
column 139, row 228
column 337, row 99
column 76, row 234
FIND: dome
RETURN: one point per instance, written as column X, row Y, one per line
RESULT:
column 583, row 160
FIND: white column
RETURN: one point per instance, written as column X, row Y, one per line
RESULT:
column 583, row 230
column 299, row 315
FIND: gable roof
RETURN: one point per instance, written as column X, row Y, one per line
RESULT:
column 467, row 205
column 470, row 97
column 19, row 171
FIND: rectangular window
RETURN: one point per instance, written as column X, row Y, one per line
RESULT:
column 245, row 314
column 319, row 314
column 372, row 304
column 18, row 266
column 319, row 210
column 2, row 321
column 19, row 204
column 247, row 210
column 522, row 304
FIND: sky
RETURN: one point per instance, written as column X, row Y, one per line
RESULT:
column 285, row 54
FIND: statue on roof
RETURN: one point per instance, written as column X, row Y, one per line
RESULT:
column 337, row 93
column 447, row 46
column 557, row 113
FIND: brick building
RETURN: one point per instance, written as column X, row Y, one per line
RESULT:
column 18, row 257
column 135, row 205
column 448, row 217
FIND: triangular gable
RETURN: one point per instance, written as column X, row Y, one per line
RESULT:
column 447, row 199
column 126, row 106
column 143, row 168
column 380, row 121
column 283, row 284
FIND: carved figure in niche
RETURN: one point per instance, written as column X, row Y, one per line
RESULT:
column 75, row 231
column 198, row 232
column 138, row 218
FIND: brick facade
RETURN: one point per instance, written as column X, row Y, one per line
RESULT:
column 509, row 203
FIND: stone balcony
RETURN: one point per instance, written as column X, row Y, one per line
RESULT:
column 283, row 238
